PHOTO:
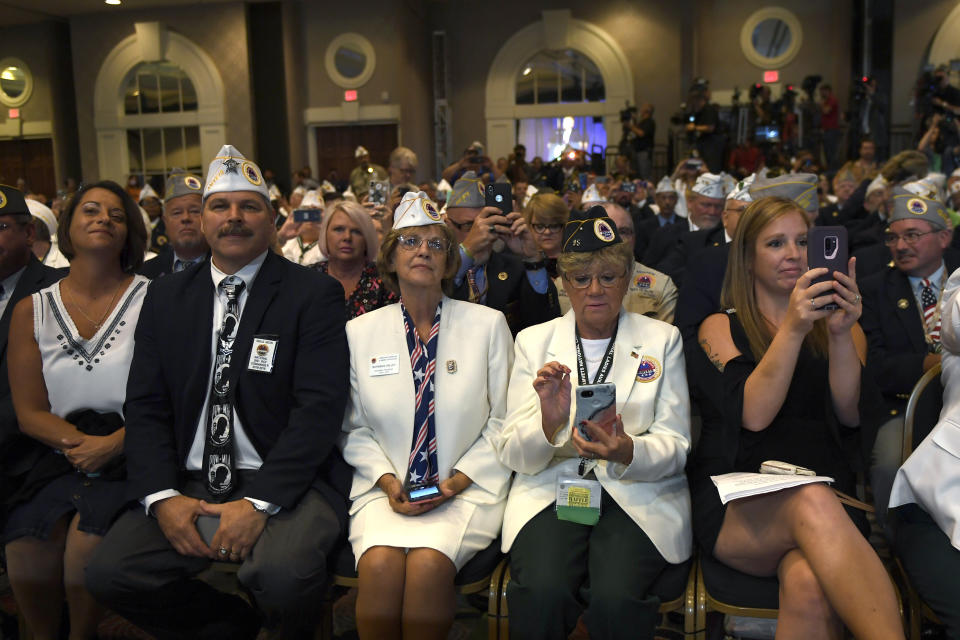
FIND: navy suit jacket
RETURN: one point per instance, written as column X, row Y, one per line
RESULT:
column 895, row 335
column 292, row 415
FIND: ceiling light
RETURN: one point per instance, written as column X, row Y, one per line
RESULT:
column 527, row 71
column 111, row 1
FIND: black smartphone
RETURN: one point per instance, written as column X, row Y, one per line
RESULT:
column 827, row 247
column 499, row 195
column 475, row 159
column 307, row 215
column 422, row 491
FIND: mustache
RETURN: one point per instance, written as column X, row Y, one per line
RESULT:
column 235, row 229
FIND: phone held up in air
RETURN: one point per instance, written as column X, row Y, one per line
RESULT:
column 307, row 215
column 827, row 247
column 597, row 403
column 499, row 195
column 378, row 191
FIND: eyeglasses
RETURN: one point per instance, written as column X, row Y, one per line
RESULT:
column 544, row 228
column 910, row 237
column 461, row 226
column 412, row 243
column 583, row 280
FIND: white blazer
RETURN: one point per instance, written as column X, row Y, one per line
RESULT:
column 474, row 354
column 656, row 414
column 931, row 475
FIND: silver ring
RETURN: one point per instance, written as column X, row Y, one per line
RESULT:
column 856, row 298
column 223, row 551
column 812, row 303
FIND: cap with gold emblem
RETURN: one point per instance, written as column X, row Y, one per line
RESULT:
column 181, row 183
column 12, row 202
column 416, row 209
column 910, row 206
column 589, row 231
column 231, row 171
column 467, row 192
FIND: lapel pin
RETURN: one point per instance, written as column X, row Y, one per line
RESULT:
column 502, row 275
column 902, row 303
column 634, row 354
column 451, row 366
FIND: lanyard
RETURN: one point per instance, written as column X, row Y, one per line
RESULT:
column 582, row 377
column 605, row 364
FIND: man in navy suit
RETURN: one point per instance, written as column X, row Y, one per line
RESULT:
column 234, row 405
column 21, row 274
column 182, row 205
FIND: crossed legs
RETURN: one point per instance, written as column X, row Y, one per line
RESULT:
column 828, row 572
column 405, row 594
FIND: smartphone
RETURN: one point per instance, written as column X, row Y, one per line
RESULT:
column 422, row 491
column 307, row 215
column 475, row 159
column 378, row 191
column 827, row 247
column 600, row 179
column 693, row 164
column 207, row 526
column 499, row 195
column 583, row 181
column 628, row 187
column 597, row 403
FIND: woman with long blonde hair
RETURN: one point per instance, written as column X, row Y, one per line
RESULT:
column 788, row 386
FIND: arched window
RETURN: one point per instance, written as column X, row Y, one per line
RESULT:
column 565, row 75
column 159, row 93
column 561, row 78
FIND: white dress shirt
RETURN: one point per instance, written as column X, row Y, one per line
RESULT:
column 247, row 456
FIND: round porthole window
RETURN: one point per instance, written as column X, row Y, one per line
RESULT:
column 350, row 60
column 771, row 37
column 16, row 82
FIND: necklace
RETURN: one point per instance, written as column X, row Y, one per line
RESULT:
column 96, row 325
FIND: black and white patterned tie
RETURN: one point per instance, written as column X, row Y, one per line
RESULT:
column 218, row 445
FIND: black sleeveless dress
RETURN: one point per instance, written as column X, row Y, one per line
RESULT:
column 804, row 432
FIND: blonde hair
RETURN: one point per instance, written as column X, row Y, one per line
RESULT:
column 359, row 216
column 616, row 256
column 546, row 208
column 738, row 282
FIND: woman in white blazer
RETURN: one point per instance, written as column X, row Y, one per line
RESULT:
column 927, row 487
column 633, row 465
column 425, row 352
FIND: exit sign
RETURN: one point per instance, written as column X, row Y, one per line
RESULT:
column 350, row 95
column 13, row 114
column 771, row 76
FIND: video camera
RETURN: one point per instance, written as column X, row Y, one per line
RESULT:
column 627, row 113
column 809, row 85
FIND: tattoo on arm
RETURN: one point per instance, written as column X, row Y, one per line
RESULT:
column 714, row 357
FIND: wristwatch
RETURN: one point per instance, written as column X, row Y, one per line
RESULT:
column 257, row 507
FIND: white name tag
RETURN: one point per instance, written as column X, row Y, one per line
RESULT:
column 262, row 355
column 385, row 365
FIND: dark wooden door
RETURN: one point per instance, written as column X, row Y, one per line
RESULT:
column 31, row 160
column 335, row 146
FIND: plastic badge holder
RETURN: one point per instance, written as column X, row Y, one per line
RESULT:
column 578, row 500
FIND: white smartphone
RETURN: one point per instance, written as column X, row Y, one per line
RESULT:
column 597, row 403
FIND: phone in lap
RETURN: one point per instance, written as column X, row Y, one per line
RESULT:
column 597, row 403
column 420, row 492
column 827, row 247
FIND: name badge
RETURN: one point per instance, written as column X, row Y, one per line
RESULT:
column 262, row 354
column 578, row 500
column 385, row 365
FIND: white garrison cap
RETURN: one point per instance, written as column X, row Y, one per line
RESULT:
column 710, row 185
column 274, row 192
column 665, row 185
column 729, row 182
column 741, row 191
column 147, row 192
column 877, row 184
column 361, row 151
column 926, row 188
column 42, row 211
column 592, row 194
column 313, row 200
column 415, row 210
column 231, row 171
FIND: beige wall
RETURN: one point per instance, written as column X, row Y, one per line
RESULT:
column 219, row 29
column 825, row 50
column 401, row 41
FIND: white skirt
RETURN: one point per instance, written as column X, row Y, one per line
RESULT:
column 458, row 529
